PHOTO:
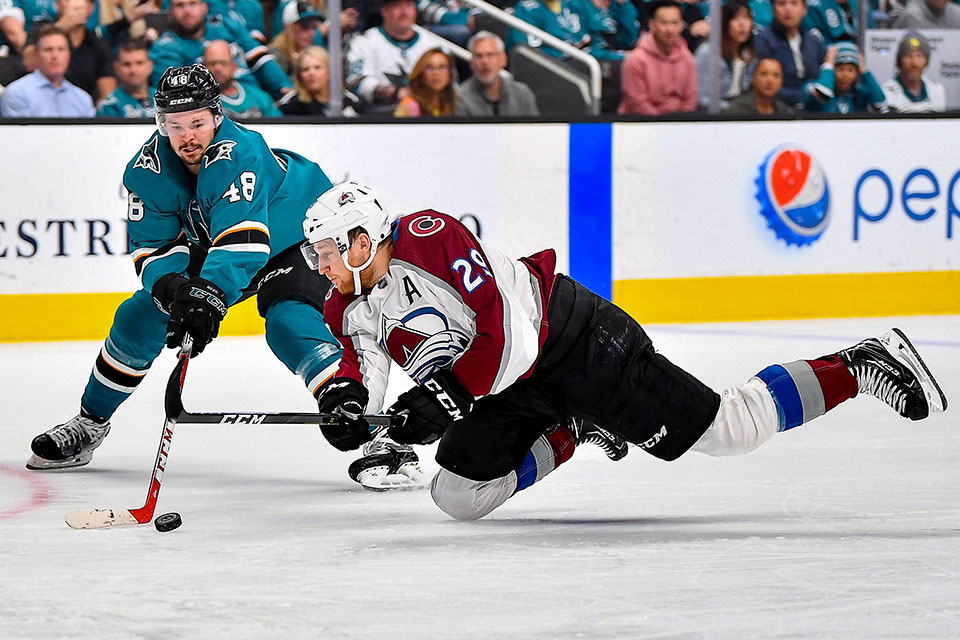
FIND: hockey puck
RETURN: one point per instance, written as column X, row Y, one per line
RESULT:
column 168, row 521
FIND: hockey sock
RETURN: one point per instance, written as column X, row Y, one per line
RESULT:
column 547, row 453
column 805, row 389
column 111, row 382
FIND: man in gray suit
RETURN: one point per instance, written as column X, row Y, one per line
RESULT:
column 487, row 92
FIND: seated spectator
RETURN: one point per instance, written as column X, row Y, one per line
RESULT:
column 563, row 19
column 762, row 98
column 431, row 87
column 696, row 28
column 929, row 14
column 249, row 13
column 134, row 97
column 192, row 26
column 91, row 66
column 450, row 19
column 46, row 93
column 844, row 85
column 238, row 101
column 380, row 59
column 615, row 23
column 489, row 92
column 12, row 33
column 311, row 81
column 800, row 52
column 736, row 54
column 349, row 18
column 659, row 76
column 834, row 20
column 301, row 29
column 911, row 90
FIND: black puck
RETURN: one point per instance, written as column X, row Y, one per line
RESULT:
column 168, row 521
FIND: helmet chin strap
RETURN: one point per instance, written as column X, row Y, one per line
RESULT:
column 356, row 270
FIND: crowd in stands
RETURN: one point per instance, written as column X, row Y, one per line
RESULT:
column 89, row 58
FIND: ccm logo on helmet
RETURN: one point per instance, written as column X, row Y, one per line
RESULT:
column 345, row 198
column 423, row 226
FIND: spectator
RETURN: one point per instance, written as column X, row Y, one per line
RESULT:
column 301, row 29
column 349, row 18
column 311, row 81
column 659, row 75
column 736, row 54
column 489, row 92
column 249, row 13
column 762, row 98
column 134, row 97
column 563, row 19
column 614, row 23
column 238, row 101
column 450, row 19
column 12, row 33
column 911, row 90
column 845, row 85
column 431, row 87
column 192, row 26
column 800, row 52
column 46, row 93
column 834, row 20
column 695, row 27
column 380, row 59
column 91, row 66
column 929, row 14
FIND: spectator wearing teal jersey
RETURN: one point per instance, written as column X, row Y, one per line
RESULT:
column 559, row 18
column 615, row 23
column 191, row 26
column 762, row 12
column 238, row 101
column 301, row 29
column 844, row 85
column 12, row 32
column 835, row 20
column 134, row 97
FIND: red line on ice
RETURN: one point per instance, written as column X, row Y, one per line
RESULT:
column 40, row 492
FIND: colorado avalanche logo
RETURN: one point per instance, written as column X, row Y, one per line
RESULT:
column 422, row 342
column 346, row 198
column 793, row 194
column 148, row 158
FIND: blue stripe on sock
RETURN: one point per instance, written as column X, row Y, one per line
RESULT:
column 784, row 391
column 527, row 473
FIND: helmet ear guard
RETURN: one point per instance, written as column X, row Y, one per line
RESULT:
column 338, row 211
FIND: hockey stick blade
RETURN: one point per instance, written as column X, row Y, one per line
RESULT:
column 107, row 518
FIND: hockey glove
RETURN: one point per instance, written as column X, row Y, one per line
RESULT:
column 348, row 398
column 165, row 289
column 197, row 309
column 430, row 408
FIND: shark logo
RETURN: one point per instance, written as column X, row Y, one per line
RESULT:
column 219, row 151
column 422, row 342
column 148, row 158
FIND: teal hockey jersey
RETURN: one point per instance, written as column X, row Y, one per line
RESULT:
column 246, row 204
column 120, row 104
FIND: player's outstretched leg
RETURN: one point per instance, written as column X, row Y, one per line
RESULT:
column 888, row 367
column 70, row 444
column 387, row 465
column 588, row 433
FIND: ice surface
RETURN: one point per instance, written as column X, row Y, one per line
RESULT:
column 848, row 527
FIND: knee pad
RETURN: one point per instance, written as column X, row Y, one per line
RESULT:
column 465, row 499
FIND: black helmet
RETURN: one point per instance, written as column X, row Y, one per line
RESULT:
column 186, row 89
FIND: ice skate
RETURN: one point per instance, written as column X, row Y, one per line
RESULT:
column 588, row 433
column 386, row 465
column 889, row 368
column 67, row 445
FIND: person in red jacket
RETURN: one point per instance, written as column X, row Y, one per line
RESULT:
column 660, row 75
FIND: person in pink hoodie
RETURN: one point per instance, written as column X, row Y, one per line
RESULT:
column 659, row 75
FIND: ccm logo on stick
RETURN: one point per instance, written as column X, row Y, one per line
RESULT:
column 243, row 418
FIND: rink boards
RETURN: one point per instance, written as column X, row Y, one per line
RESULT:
column 678, row 222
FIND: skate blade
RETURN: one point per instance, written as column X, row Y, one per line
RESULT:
column 99, row 518
column 36, row 463
column 936, row 400
column 379, row 479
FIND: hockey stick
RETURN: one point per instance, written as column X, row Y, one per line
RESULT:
column 172, row 405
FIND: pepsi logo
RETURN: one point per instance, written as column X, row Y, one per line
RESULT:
column 793, row 194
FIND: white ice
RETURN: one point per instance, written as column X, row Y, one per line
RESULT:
column 848, row 527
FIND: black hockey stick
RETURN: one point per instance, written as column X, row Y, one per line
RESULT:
column 103, row 518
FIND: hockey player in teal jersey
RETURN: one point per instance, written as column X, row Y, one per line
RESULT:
column 192, row 26
column 214, row 216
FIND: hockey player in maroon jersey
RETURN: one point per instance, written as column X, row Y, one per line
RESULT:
column 513, row 361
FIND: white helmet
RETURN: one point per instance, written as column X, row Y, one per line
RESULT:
column 344, row 207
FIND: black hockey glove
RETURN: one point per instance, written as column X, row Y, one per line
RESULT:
column 197, row 308
column 347, row 397
column 430, row 408
column 165, row 289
